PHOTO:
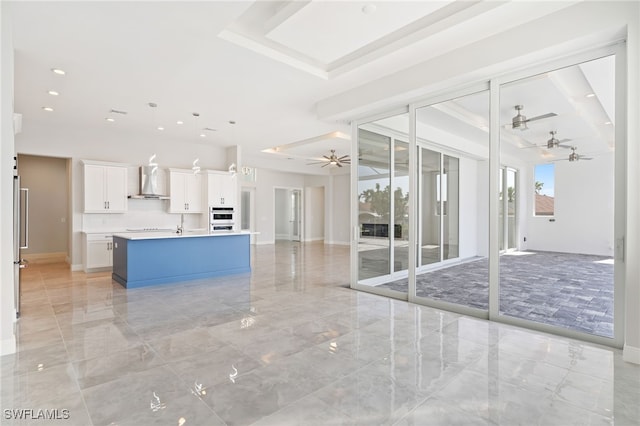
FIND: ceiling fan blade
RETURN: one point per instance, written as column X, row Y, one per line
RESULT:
column 316, row 162
column 343, row 157
column 540, row 117
column 346, row 161
column 328, row 158
column 325, row 165
column 338, row 164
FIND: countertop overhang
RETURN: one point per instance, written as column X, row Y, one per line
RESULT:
column 173, row 234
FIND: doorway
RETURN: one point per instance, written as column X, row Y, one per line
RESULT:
column 288, row 214
column 248, row 211
column 47, row 179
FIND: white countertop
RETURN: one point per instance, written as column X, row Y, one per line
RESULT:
column 185, row 234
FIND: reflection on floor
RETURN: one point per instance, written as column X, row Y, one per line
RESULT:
column 568, row 290
column 288, row 344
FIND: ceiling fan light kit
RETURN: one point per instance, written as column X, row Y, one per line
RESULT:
column 519, row 121
column 333, row 160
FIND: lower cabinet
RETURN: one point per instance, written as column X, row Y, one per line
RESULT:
column 98, row 252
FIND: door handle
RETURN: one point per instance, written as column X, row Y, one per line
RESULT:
column 26, row 220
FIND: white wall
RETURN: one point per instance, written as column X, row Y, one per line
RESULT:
column 469, row 212
column 282, row 206
column 314, row 213
column 7, row 311
column 340, row 199
column 482, row 203
column 266, row 181
column 583, row 209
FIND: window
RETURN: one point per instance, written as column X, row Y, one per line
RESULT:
column 544, row 176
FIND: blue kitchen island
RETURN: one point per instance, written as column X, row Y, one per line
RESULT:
column 141, row 259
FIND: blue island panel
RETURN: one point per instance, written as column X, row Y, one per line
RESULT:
column 143, row 262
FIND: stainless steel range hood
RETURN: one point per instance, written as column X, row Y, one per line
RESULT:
column 149, row 184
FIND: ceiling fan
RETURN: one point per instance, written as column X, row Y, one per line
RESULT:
column 333, row 160
column 552, row 143
column 520, row 121
column 574, row 156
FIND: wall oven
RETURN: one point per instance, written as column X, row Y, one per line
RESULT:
column 221, row 219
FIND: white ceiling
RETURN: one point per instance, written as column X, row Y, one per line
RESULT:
column 327, row 31
column 220, row 59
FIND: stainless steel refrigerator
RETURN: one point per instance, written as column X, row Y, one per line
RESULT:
column 20, row 233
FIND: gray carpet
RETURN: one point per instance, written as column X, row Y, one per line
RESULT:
column 560, row 289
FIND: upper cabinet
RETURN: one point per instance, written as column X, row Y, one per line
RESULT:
column 221, row 189
column 105, row 187
column 185, row 191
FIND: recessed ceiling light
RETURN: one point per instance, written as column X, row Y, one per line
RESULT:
column 53, row 93
column 110, row 120
column 202, row 135
column 179, row 122
column 47, row 109
column 160, row 128
column 58, row 71
column 591, row 95
column 607, row 123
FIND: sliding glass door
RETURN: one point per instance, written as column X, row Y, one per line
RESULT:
column 511, row 217
column 383, row 205
column 508, row 199
column 438, row 238
column 560, row 273
column 453, row 182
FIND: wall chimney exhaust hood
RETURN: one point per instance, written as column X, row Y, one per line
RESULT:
column 149, row 184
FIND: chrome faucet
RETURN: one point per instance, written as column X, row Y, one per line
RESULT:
column 181, row 226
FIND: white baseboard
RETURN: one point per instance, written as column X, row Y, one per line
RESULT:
column 631, row 354
column 338, row 243
column 261, row 243
column 8, row 346
column 310, row 240
column 77, row 267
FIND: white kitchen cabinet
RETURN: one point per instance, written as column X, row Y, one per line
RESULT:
column 98, row 252
column 185, row 191
column 221, row 189
column 105, row 188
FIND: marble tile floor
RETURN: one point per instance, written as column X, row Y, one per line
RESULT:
column 289, row 344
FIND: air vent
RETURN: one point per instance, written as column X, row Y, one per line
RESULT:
column 210, row 129
column 115, row 111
